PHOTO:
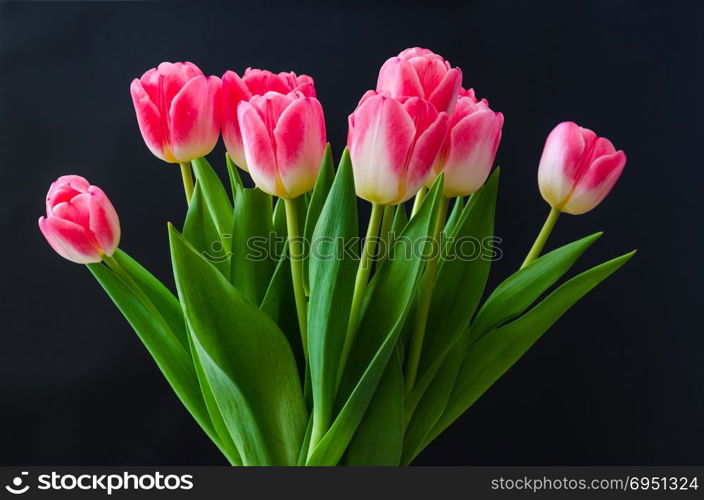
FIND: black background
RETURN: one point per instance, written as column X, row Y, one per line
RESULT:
column 618, row 380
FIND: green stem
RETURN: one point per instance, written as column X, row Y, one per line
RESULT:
column 542, row 237
column 187, row 176
column 295, row 246
column 424, row 296
column 420, row 196
column 360, row 285
column 385, row 235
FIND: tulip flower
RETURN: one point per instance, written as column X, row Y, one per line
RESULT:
column 284, row 141
column 253, row 82
column 177, row 112
column 418, row 72
column 578, row 169
column 471, row 141
column 393, row 144
column 81, row 224
column 283, row 136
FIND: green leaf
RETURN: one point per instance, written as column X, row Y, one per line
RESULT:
column 435, row 387
column 400, row 220
column 246, row 359
column 280, row 305
column 379, row 437
column 163, row 335
column 454, row 217
column 332, row 273
column 515, row 294
column 461, row 278
column 234, row 175
column 490, row 357
column 252, row 262
column 227, row 445
column 303, row 453
column 199, row 229
column 279, row 218
column 163, row 299
column 323, row 183
column 215, row 198
column 459, row 286
column 387, row 302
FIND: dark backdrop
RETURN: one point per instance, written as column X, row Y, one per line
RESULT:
column 618, row 380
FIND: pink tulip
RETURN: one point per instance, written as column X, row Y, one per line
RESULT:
column 471, row 141
column 578, row 169
column 284, row 140
column 418, row 72
column 393, row 144
column 254, row 82
column 177, row 112
column 80, row 224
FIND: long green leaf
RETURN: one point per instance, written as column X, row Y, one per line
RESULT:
column 234, row 176
column 246, row 359
column 490, row 357
column 435, row 387
column 280, row 305
column 459, row 287
column 461, row 278
column 200, row 230
column 165, row 340
column 215, row 198
column 454, row 217
column 332, row 273
column 379, row 437
column 227, row 445
column 386, row 305
column 515, row 294
column 323, row 183
column 252, row 260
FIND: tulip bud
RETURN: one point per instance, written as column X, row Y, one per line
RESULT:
column 284, row 141
column 418, row 72
column 470, row 145
column 177, row 112
column 393, row 144
column 80, row 224
column 254, row 82
column 578, row 169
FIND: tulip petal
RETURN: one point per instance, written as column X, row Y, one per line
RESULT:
column 69, row 240
column 300, row 145
column 258, row 148
column 430, row 70
column 380, row 137
column 149, row 119
column 424, row 153
column 595, row 183
column 163, row 83
column 64, row 189
column 399, row 78
column 194, row 120
column 306, row 86
column 103, row 220
column 233, row 91
column 75, row 210
column 444, row 97
column 560, row 161
column 260, row 81
column 473, row 144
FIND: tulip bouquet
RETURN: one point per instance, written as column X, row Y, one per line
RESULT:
column 290, row 340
